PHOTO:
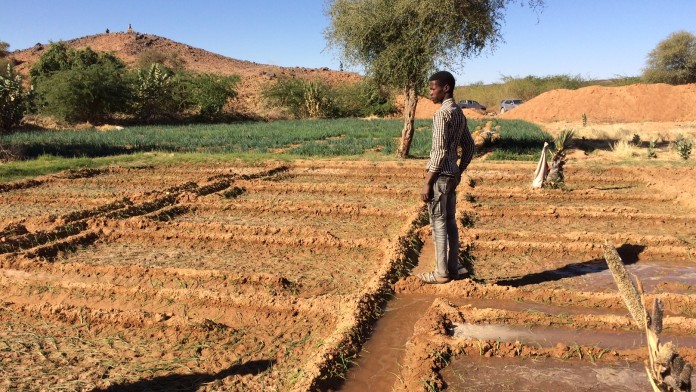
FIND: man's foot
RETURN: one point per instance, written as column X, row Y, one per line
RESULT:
column 461, row 272
column 431, row 278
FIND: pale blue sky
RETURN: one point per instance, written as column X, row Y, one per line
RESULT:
column 592, row 38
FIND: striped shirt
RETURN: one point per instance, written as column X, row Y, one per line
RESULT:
column 449, row 132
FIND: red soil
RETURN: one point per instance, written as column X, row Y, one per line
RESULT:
column 634, row 103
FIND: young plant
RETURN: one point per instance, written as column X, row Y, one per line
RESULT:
column 556, row 177
column 683, row 147
column 651, row 149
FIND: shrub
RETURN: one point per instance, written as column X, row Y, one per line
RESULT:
column 91, row 93
column 302, row 98
column 79, row 85
column 151, row 56
column 207, row 93
column 683, row 147
column 316, row 99
column 153, row 92
column 362, row 99
column 651, row 149
column 13, row 99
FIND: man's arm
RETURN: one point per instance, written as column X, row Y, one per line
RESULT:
column 468, row 147
column 437, row 156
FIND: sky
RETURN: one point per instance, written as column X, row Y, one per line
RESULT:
column 595, row 39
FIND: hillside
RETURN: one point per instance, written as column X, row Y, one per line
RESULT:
column 128, row 46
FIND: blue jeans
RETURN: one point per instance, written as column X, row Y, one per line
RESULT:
column 442, row 209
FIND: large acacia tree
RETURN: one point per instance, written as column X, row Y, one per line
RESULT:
column 400, row 42
column 673, row 61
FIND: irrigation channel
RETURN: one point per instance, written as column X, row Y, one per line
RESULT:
column 541, row 310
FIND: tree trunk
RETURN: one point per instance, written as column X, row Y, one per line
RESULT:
column 410, row 102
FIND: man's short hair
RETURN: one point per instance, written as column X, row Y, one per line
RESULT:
column 443, row 78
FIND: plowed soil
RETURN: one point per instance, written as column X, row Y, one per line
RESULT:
column 197, row 278
column 270, row 278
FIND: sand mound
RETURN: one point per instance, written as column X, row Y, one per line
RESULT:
column 426, row 109
column 634, row 103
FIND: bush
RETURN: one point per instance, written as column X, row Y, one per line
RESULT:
column 13, row 99
column 79, row 85
column 151, row 56
column 683, row 147
column 152, row 92
column 207, row 93
column 362, row 99
column 302, row 98
column 316, row 99
column 91, row 93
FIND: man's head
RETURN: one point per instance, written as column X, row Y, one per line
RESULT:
column 441, row 86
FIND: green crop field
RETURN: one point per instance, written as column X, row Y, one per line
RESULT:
column 43, row 152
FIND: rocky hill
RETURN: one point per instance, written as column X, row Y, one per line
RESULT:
column 129, row 46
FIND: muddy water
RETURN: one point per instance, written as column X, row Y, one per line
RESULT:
column 549, row 337
column 509, row 374
column 377, row 366
column 675, row 277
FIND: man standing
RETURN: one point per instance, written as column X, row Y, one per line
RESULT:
column 443, row 175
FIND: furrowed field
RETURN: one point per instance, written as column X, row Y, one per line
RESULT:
column 262, row 256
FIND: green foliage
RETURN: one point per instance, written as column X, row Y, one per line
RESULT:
column 564, row 140
column 302, row 98
column 651, row 149
column 635, row 140
column 316, row 99
column 153, row 95
column 683, row 147
column 362, row 99
column 89, row 93
column 400, row 42
column 13, row 99
column 4, row 53
column 208, row 93
column 79, row 85
column 60, row 57
column 168, row 59
column 673, row 61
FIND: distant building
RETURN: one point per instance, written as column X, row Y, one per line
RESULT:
column 130, row 29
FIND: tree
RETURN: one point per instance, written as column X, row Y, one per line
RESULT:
column 400, row 42
column 673, row 61
column 79, row 85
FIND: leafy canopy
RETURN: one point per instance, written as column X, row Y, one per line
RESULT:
column 400, row 42
column 673, row 61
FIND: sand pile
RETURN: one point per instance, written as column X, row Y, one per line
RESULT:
column 634, row 103
column 426, row 109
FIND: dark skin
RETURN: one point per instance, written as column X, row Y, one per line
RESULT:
column 438, row 94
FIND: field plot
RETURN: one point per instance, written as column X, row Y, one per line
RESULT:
column 195, row 277
column 542, row 310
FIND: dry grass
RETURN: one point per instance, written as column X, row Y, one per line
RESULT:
column 624, row 149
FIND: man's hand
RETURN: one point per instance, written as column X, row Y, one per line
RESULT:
column 426, row 193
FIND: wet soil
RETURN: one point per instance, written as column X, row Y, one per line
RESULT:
column 504, row 374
